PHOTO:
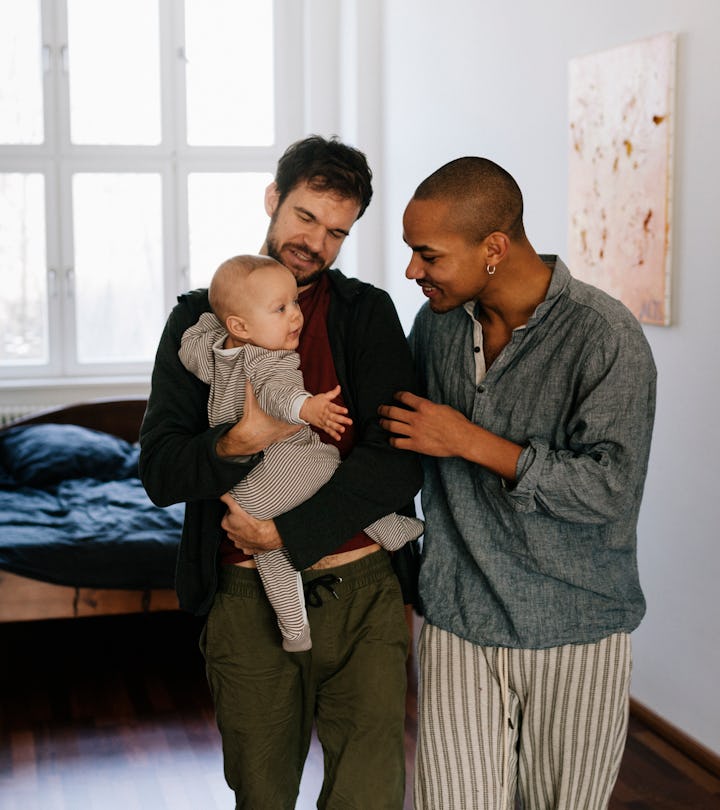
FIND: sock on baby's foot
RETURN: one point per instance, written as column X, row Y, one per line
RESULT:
column 299, row 643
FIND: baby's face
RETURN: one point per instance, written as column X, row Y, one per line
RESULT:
column 272, row 312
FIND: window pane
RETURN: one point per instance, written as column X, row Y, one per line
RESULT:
column 226, row 216
column 229, row 72
column 114, row 72
column 21, row 101
column 23, row 304
column 118, row 266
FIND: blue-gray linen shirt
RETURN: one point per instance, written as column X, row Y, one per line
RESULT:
column 553, row 559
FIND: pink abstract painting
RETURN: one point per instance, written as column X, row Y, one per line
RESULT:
column 621, row 109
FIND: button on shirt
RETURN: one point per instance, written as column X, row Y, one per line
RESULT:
column 550, row 559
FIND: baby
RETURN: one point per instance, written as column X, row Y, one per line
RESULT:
column 252, row 334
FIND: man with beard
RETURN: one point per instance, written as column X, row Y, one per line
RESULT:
column 352, row 683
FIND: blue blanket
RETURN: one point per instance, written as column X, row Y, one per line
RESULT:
column 73, row 511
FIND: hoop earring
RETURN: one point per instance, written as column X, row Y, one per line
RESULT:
column 490, row 270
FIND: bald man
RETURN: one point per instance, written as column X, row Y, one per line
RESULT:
column 535, row 428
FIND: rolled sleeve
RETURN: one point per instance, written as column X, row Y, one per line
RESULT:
column 527, row 477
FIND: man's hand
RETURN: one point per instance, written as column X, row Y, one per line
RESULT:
column 254, row 432
column 323, row 413
column 441, row 431
column 424, row 426
column 250, row 535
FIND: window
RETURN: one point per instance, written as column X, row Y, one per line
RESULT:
column 136, row 141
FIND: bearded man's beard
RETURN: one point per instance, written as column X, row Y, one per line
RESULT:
column 274, row 251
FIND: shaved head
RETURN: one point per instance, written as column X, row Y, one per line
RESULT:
column 481, row 198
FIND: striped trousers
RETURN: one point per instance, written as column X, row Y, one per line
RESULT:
column 493, row 721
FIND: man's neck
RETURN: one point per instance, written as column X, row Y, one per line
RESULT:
column 522, row 288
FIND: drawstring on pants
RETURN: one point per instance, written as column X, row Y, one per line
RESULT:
column 313, row 598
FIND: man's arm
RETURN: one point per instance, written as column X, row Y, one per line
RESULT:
column 592, row 470
column 250, row 534
column 597, row 473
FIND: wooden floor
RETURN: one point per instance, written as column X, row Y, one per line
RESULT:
column 113, row 714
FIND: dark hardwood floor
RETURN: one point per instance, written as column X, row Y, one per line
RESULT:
column 113, row 713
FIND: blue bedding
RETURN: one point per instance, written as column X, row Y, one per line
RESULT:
column 73, row 511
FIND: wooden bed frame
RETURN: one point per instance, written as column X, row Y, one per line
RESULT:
column 23, row 598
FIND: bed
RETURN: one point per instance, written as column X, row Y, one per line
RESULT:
column 78, row 534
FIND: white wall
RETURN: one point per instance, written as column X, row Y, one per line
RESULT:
column 476, row 77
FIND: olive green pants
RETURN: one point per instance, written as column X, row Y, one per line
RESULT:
column 351, row 684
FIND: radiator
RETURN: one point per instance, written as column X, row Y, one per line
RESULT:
column 9, row 413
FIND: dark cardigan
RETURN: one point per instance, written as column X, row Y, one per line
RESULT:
column 178, row 460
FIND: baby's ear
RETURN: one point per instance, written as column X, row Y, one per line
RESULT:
column 237, row 327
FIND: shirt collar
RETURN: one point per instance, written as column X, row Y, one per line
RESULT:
column 558, row 284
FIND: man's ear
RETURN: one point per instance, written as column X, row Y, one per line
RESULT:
column 272, row 198
column 237, row 328
column 496, row 247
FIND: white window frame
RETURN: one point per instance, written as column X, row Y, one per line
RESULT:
column 58, row 160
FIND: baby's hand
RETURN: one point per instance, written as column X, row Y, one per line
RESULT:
column 323, row 413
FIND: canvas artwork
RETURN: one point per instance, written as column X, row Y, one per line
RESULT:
column 620, row 181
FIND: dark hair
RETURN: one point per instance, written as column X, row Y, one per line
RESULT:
column 325, row 165
column 483, row 196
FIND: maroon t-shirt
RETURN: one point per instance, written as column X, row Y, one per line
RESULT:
column 318, row 369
